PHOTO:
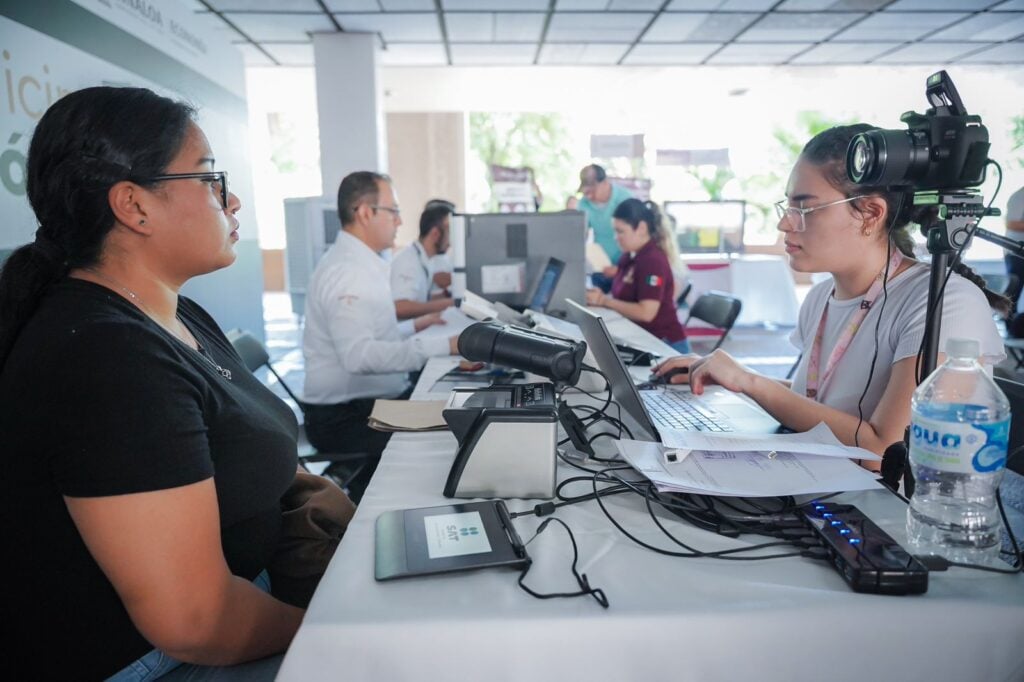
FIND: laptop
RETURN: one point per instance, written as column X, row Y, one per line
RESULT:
column 539, row 299
column 665, row 406
column 544, row 289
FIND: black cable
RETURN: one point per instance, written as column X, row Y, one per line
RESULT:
column 878, row 321
column 581, row 578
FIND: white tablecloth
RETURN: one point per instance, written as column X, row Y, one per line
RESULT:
column 763, row 283
column 688, row 619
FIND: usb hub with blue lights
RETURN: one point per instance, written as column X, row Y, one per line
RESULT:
column 865, row 555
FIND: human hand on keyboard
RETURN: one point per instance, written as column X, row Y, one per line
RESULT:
column 674, row 370
column 719, row 368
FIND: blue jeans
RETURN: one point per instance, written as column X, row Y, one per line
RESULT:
column 158, row 665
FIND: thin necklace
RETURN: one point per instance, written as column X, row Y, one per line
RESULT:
column 139, row 303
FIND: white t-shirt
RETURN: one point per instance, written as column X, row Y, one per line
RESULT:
column 965, row 313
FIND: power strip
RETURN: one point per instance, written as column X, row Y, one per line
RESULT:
column 865, row 555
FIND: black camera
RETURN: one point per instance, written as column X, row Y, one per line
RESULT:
column 943, row 149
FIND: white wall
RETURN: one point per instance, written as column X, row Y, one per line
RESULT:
column 49, row 49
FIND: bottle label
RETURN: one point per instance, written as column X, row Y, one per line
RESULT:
column 959, row 447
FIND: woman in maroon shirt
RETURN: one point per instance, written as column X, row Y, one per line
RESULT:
column 643, row 286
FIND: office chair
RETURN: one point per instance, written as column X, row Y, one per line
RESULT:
column 681, row 300
column 717, row 309
column 344, row 466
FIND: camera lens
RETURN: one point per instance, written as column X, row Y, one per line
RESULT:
column 859, row 158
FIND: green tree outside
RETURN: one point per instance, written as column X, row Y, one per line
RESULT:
column 540, row 141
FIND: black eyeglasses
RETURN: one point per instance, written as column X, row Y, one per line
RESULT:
column 219, row 177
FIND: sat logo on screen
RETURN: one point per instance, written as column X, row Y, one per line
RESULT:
column 454, row 532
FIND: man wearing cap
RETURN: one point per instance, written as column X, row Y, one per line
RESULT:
column 600, row 199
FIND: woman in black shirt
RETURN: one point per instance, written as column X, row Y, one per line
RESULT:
column 143, row 464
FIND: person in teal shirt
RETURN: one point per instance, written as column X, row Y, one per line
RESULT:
column 600, row 199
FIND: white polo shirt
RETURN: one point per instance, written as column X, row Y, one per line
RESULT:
column 353, row 345
column 411, row 274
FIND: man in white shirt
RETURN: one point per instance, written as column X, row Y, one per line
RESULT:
column 412, row 270
column 354, row 347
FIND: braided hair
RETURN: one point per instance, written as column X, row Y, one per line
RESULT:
column 827, row 151
column 85, row 143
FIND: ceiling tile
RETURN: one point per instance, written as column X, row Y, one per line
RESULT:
column 986, row 28
column 470, row 26
column 1009, row 6
column 212, row 22
column 1007, row 53
column 581, row 53
column 265, row 5
column 678, row 53
column 939, row 5
column 900, row 26
column 595, row 27
column 252, row 56
column 494, row 5
column 581, row 5
column 675, row 27
column 287, row 27
column 758, row 54
column 291, row 54
column 394, row 27
column 784, row 28
column 352, row 5
column 488, row 27
column 927, row 53
column 504, row 54
column 843, row 53
column 413, row 54
column 634, row 5
column 720, row 5
column 408, row 5
column 830, row 5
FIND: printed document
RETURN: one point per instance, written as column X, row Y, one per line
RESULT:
column 745, row 473
column 818, row 441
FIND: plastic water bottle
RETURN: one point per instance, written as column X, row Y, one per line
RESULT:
column 960, row 426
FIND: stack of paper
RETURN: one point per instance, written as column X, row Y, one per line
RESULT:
column 750, row 465
column 407, row 415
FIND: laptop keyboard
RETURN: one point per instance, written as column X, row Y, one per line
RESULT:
column 678, row 410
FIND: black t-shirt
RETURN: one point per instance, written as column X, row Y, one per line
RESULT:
column 97, row 400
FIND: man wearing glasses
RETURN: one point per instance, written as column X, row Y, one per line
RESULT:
column 355, row 349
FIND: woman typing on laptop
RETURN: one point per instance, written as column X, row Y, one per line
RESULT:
column 643, row 289
column 859, row 332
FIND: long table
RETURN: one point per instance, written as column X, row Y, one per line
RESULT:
column 690, row 619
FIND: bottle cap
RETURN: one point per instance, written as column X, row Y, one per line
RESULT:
column 963, row 348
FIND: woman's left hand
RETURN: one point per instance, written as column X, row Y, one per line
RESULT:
column 720, row 368
column 596, row 297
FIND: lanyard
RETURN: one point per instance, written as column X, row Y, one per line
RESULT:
column 422, row 255
column 816, row 383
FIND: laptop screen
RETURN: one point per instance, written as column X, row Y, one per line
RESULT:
column 546, row 284
column 609, row 362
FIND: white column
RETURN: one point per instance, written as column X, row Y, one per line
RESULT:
column 352, row 133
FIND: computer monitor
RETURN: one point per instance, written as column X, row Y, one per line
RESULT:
column 497, row 255
column 546, row 284
column 708, row 226
column 311, row 226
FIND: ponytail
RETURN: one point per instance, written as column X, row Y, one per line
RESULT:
column 84, row 144
column 634, row 211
